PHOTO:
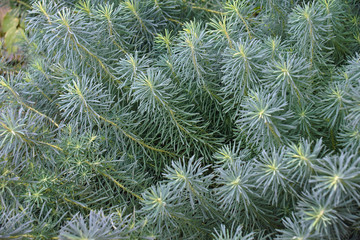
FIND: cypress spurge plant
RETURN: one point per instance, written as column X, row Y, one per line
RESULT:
column 153, row 119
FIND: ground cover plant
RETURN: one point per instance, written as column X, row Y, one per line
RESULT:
column 179, row 119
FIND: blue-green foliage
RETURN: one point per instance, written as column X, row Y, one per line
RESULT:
column 183, row 119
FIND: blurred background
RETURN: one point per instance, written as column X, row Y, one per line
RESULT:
column 12, row 14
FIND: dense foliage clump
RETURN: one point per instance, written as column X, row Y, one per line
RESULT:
column 183, row 119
